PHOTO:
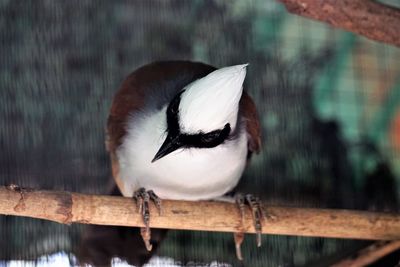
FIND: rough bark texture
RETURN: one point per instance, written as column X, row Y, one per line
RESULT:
column 66, row 207
column 370, row 254
column 371, row 19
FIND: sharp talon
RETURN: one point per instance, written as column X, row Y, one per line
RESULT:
column 145, row 210
column 138, row 196
column 156, row 200
column 238, row 237
column 142, row 198
column 241, row 205
column 146, row 235
column 145, row 232
column 256, row 211
column 261, row 217
column 258, row 239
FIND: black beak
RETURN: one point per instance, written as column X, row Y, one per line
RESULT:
column 170, row 144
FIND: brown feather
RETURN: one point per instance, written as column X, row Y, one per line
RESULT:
column 253, row 128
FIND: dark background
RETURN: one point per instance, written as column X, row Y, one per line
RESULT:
column 329, row 103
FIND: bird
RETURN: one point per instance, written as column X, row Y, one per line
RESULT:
column 182, row 130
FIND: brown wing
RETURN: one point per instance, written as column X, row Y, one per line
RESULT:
column 249, row 111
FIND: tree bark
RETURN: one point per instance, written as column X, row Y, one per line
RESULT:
column 371, row 19
column 370, row 254
column 66, row 207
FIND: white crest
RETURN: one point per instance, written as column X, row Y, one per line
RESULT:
column 212, row 101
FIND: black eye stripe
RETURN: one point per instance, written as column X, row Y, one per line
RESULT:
column 215, row 134
column 173, row 114
column 200, row 140
column 206, row 140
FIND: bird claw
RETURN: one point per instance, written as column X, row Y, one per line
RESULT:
column 142, row 198
column 256, row 210
column 156, row 200
column 255, row 205
column 238, row 237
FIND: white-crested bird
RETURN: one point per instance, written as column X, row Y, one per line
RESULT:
column 182, row 130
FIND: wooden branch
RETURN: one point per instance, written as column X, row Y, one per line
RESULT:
column 370, row 254
column 371, row 19
column 66, row 207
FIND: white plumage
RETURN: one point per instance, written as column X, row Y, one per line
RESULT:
column 189, row 173
column 209, row 103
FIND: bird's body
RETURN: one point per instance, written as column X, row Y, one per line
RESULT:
column 137, row 128
column 186, row 174
column 181, row 135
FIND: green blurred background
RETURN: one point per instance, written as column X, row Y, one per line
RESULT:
column 329, row 102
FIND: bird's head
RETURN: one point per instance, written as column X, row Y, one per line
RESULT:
column 205, row 112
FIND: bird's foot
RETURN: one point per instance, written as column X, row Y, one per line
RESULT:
column 257, row 214
column 143, row 198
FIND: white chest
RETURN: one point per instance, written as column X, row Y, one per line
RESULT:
column 188, row 174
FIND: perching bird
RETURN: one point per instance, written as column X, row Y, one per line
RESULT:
column 181, row 130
